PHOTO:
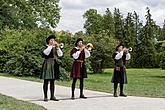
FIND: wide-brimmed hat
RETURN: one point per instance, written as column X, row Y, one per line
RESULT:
column 119, row 46
column 79, row 39
column 50, row 37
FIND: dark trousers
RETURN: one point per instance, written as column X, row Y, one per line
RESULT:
column 121, row 87
column 81, row 86
column 45, row 87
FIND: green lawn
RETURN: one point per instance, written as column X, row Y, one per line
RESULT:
column 9, row 103
column 141, row 82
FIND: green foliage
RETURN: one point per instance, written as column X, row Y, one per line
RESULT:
column 66, row 60
column 9, row 103
column 93, row 21
column 162, row 61
column 130, row 31
column 22, row 51
column 147, row 43
column 66, row 64
column 101, row 56
column 118, row 25
column 142, row 82
column 98, row 32
column 29, row 13
column 20, row 48
column 161, row 36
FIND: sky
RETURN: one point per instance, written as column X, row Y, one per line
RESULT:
column 72, row 11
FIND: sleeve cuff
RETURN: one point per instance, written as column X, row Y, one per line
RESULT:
column 121, row 52
column 79, row 52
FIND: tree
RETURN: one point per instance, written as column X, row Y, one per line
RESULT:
column 29, row 13
column 162, row 35
column 108, row 23
column 137, row 51
column 129, row 35
column 147, row 38
column 118, row 23
column 21, row 50
column 100, row 34
column 162, row 61
column 130, row 31
column 93, row 21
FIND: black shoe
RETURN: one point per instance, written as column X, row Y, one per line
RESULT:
column 72, row 97
column 82, row 96
column 46, row 99
column 122, row 95
column 115, row 95
column 54, row 99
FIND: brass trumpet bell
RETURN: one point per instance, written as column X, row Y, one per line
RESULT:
column 89, row 45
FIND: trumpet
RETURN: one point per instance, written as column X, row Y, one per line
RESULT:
column 60, row 45
column 127, row 50
column 89, row 46
column 130, row 49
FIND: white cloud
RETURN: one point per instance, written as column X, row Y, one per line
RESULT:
column 72, row 10
column 70, row 4
column 71, row 20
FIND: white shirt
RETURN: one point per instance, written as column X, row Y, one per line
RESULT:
column 49, row 48
column 120, row 55
column 77, row 54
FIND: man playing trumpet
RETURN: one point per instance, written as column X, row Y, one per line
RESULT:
column 79, row 53
column 50, row 68
column 120, row 57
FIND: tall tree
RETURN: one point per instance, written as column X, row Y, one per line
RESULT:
column 138, row 27
column 129, row 31
column 99, row 35
column 118, row 24
column 29, row 13
column 129, row 35
column 148, row 55
column 108, row 23
column 93, row 21
column 162, row 35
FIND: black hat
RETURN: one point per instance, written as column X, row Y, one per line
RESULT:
column 50, row 37
column 79, row 39
column 119, row 46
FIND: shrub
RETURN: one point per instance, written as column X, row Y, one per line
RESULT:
column 162, row 62
column 20, row 51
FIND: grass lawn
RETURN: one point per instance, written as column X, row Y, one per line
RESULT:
column 9, row 103
column 141, row 82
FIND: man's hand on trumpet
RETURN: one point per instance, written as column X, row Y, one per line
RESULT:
column 125, row 49
column 56, row 44
column 82, row 48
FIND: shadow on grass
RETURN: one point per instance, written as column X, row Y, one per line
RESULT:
column 105, row 73
column 157, row 76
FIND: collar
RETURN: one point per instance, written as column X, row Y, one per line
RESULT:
column 77, row 48
column 49, row 45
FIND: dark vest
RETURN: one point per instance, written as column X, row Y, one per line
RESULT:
column 53, row 54
column 121, row 62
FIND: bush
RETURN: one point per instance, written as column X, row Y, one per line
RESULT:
column 101, row 56
column 162, row 62
column 21, row 51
